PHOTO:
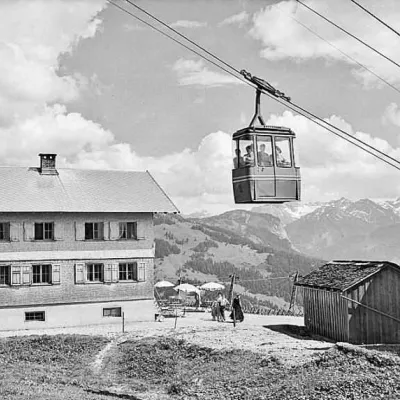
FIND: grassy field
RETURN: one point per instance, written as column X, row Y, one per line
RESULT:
column 65, row 367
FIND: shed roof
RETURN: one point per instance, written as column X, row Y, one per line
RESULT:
column 342, row 275
column 74, row 190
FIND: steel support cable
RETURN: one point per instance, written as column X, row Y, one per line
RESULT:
column 177, row 41
column 347, row 134
column 182, row 35
column 316, row 120
column 377, row 18
column 348, row 33
column 313, row 118
column 345, row 54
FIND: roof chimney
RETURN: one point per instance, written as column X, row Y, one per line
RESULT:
column 48, row 164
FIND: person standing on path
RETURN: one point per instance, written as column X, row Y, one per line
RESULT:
column 222, row 303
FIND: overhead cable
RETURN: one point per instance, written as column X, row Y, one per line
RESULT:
column 317, row 120
column 345, row 54
column 175, row 40
column 181, row 35
column 348, row 33
column 349, row 135
column 374, row 16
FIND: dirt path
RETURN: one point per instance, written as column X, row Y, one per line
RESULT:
column 276, row 336
column 259, row 333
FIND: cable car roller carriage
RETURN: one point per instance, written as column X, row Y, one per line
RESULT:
column 264, row 164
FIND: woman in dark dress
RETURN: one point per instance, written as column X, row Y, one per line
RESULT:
column 237, row 309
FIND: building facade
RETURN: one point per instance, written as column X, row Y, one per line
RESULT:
column 76, row 246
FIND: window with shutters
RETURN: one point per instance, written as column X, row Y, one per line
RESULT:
column 5, row 274
column 127, row 271
column 94, row 272
column 44, row 231
column 4, row 231
column 35, row 316
column 128, row 230
column 41, row 273
column 112, row 312
column 94, row 231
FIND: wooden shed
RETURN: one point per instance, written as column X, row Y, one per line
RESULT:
column 353, row 301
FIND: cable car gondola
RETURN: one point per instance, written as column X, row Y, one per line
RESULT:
column 264, row 164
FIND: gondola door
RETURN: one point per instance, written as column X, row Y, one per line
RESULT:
column 286, row 173
column 265, row 185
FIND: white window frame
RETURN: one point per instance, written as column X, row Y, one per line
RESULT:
column 123, row 230
column 6, row 231
column 34, row 319
column 125, row 265
column 7, row 275
column 93, row 265
column 41, row 274
column 109, row 311
column 99, row 230
column 48, row 234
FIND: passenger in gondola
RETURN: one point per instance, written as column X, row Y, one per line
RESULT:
column 264, row 159
column 280, row 160
column 249, row 156
column 238, row 160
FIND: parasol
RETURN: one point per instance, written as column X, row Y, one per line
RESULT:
column 211, row 286
column 187, row 287
column 163, row 284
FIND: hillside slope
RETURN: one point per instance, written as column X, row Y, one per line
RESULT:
column 250, row 245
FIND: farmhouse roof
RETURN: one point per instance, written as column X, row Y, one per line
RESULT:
column 74, row 190
column 343, row 275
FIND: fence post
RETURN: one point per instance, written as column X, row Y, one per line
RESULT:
column 123, row 322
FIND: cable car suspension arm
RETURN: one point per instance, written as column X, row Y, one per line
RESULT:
column 261, row 86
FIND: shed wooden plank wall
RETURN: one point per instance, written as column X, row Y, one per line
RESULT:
column 325, row 313
column 382, row 293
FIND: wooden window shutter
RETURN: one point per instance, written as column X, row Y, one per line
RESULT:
column 79, row 231
column 141, row 230
column 15, row 275
column 28, row 231
column 114, row 230
column 14, row 232
column 58, row 231
column 55, row 274
column 106, row 230
column 141, row 271
column 80, row 270
column 115, row 273
column 107, row 273
column 27, row 275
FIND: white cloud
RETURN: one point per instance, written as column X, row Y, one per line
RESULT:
column 33, row 34
column 332, row 168
column 192, row 72
column 283, row 38
column 237, row 19
column 392, row 114
column 36, row 119
column 133, row 27
column 188, row 24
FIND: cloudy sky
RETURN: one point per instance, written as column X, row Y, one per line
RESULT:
column 102, row 90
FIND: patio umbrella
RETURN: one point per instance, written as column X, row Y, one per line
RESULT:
column 211, row 286
column 187, row 288
column 163, row 284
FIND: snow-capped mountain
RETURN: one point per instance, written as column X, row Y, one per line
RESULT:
column 347, row 229
column 288, row 212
